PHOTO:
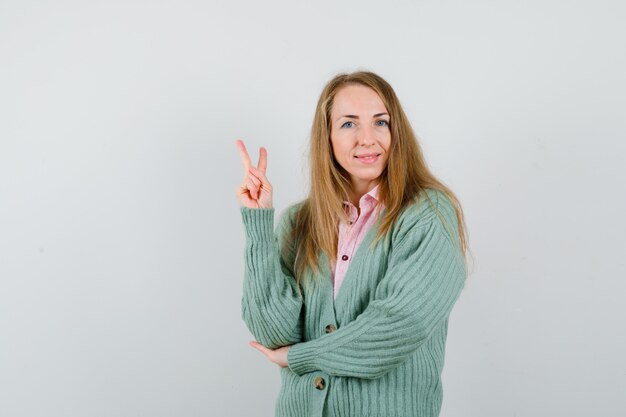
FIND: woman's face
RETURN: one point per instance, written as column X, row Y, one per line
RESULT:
column 360, row 135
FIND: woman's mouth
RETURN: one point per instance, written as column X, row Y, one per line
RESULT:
column 369, row 158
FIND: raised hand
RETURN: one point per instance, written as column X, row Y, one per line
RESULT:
column 255, row 190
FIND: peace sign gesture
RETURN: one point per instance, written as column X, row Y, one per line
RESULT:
column 255, row 191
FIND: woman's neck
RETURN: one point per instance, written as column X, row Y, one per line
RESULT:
column 359, row 190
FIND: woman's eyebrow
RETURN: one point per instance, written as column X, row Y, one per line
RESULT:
column 353, row 116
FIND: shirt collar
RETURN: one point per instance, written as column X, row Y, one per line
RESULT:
column 373, row 193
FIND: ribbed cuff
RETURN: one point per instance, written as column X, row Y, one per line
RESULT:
column 300, row 358
column 258, row 222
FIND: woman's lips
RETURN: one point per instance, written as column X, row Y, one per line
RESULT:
column 368, row 159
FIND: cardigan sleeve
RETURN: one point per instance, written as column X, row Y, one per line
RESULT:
column 271, row 303
column 425, row 276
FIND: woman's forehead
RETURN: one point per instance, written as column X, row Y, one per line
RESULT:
column 356, row 99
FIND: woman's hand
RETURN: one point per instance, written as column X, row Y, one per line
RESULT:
column 255, row 191
column 278, row 356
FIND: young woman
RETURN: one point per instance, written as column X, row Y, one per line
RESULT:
column 351, row 293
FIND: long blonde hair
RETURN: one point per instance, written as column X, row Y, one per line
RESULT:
column 404, row 179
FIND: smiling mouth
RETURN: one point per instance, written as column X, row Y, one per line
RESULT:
column 368, row 158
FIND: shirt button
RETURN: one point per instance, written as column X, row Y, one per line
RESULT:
column 330, row 328
column 319, row 383
column 344, row 257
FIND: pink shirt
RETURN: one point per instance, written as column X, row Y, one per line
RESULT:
column 351, row 234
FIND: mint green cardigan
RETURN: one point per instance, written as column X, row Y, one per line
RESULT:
column 375, row 350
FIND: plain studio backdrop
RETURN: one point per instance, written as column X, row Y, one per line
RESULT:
column 121, row 240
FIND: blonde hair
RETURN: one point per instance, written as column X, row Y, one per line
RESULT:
column 403, row 180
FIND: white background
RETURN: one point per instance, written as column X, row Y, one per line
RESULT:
column 121, row 243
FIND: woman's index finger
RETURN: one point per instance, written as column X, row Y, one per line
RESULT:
column 262, row 165
column 245, row 158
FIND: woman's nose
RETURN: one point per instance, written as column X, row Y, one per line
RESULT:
column 367, row 135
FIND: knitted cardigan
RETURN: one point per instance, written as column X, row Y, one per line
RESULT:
column 375, row 350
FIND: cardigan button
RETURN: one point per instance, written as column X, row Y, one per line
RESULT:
column 319, row 383
column 330, row 328
column 344, row 257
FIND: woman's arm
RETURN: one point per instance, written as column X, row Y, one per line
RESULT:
column 425, row 277
column 271, row 303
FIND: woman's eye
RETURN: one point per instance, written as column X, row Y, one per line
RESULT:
column 348, row 124
column 382, row 123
